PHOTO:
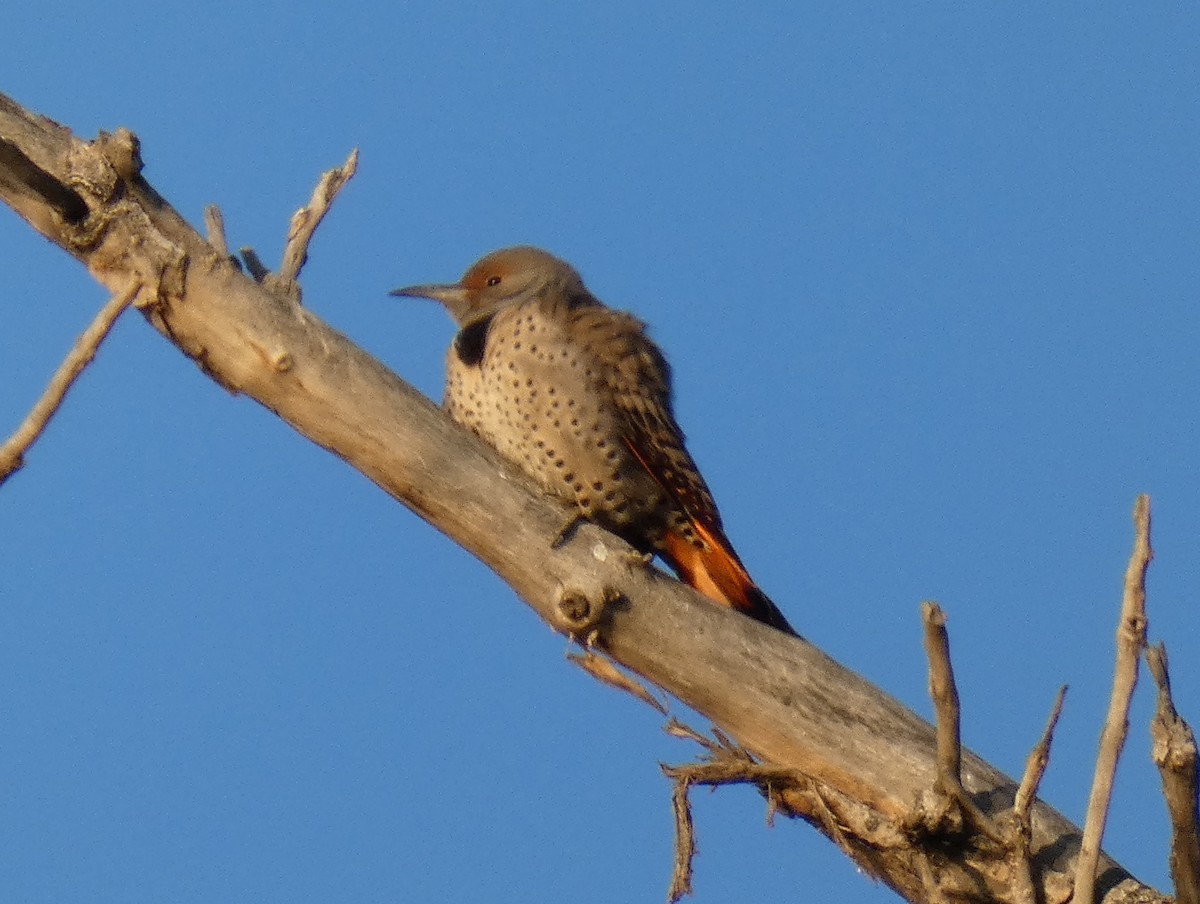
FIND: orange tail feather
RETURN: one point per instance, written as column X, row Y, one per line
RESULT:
column 714, row 570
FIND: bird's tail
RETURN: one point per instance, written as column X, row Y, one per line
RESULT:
column 713, row 568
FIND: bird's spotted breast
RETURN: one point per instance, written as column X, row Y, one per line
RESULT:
column 539, row 398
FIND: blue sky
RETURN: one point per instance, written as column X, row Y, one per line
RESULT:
column 927, row 275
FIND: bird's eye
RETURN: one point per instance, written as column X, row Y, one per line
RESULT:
column 493, row 280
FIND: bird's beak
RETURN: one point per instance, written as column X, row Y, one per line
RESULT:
column 452, row 295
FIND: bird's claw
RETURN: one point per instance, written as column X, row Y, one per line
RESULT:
column 565, row 532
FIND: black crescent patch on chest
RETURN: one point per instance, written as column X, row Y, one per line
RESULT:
column 471, row 341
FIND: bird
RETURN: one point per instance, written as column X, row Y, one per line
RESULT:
column 578, row 396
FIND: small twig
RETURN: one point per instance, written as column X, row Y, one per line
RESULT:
column 12, row 453
column 944, row 693
column 254, row 265
column 1131, row 640
column 603, row 670
column 732, row 772
column 1039, row 759
column 719, row 748
column 725, row 763
column 1174, row 753
column 685, row 843
column 729, row 770
column 303, row 224
column 1023, row 888
column 677, row 729
column 214, row 225
column 306, row 219
column 731, row 749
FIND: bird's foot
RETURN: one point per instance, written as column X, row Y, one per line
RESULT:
column 567, row 530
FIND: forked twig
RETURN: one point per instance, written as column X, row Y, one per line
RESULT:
column 725, row 763
column 303, row 224
column 306, row 220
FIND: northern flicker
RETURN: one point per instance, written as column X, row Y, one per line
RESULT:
column 577, row 395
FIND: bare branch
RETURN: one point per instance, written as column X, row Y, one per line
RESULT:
column 1131, row 640
column 1174, row 752
column 301, row 228
column 944, row 693
column 12, row 453
column 603, row 670
column 214, row 225
column 1024, row 888
column 1039, row 759
column 727, row 766
column 306, row 220
column 685, row 842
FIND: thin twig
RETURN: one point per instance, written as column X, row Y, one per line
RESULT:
column 1039, row 758
column 730, row 769
column 12, row 453
column 1174, row 753
column 602, row 669
column 725, row 763
column 685, row 843
column 306, row 219
column 1131, row 640
column 944, row 693
column 303, row 224
column 214, row 225
column 677, row 729
column 732, row 772
column 254, row 265
column 1024, row 890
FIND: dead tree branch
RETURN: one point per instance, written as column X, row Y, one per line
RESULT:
column 943, row 691
column 301, row 229
column 306, row 220
column 866, row 759
column 12, row 453
column 1174, row 752
column 1039, row 759
column 948, row 716
column 1131, row 640
column 1024, row 887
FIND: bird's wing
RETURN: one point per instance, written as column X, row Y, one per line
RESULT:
column 638, row 379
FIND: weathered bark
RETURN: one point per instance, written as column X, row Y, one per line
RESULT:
column 864, row 765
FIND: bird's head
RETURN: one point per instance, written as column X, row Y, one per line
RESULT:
column 508, row 275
